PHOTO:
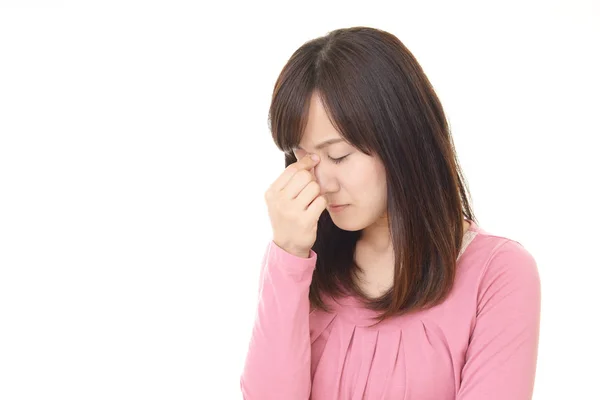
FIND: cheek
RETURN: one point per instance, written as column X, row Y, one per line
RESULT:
column 366, row 181
column 357, row 179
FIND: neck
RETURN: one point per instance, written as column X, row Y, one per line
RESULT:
column 377, row 236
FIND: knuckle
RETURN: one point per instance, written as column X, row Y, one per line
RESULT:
column 304, row 174
column 314, row 185
column 320, row 201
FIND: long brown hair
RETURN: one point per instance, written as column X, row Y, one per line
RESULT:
column 379, row 99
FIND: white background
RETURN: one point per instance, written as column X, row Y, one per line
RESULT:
column 135, row 152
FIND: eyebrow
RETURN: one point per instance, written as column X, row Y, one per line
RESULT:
column 325, row 143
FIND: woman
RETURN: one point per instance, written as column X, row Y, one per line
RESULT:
column 378, row 283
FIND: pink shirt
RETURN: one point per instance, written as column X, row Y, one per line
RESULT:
column 481, row 343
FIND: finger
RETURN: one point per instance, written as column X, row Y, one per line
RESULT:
column 305, row 162
column 297, row 184
column 308, row 194
column 316, row 208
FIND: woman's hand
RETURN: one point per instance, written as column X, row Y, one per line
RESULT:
column 295, row 205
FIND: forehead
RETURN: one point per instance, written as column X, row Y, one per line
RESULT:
column 318, row 127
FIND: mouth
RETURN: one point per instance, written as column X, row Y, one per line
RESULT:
column 337, row 207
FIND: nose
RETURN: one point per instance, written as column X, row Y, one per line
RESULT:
column 325, row 178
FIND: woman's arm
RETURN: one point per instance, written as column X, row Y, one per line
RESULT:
column 277, row 364
column 502, row 353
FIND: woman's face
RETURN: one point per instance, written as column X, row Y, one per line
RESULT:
column 357, row 180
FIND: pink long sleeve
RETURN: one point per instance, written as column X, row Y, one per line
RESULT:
column 278, row 361
column 501, row 357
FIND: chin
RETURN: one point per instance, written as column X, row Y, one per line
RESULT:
column 352, row 226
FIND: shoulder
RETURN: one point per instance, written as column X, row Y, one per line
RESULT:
column 498, row 263
column 507, row 272
column 502, row 255
column 488, row 251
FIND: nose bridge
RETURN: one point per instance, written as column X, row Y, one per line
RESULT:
column 325, row 178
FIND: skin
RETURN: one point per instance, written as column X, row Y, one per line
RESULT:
column 359, row 181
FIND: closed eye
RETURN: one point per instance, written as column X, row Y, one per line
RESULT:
column 338, row 160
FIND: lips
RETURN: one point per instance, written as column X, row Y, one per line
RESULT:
column 337, row 208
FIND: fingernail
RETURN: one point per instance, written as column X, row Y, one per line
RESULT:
column 314, row 157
